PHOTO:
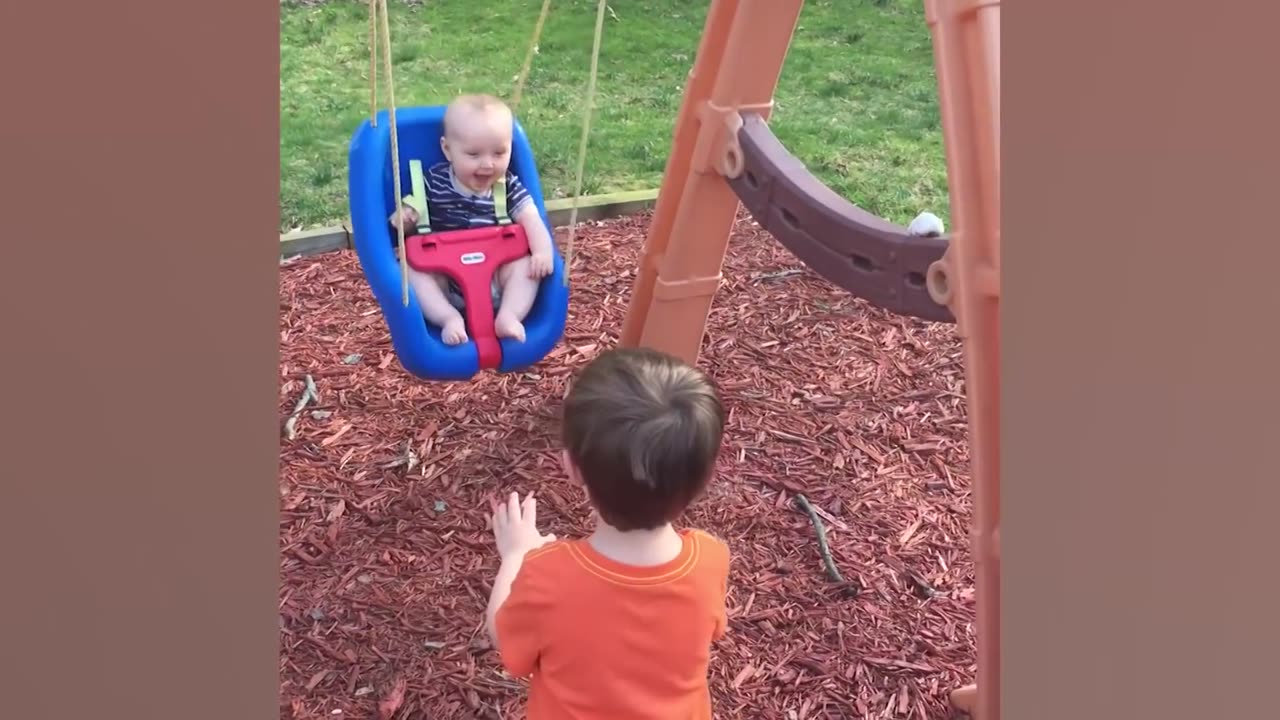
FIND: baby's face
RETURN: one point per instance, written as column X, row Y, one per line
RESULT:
column 478, row 146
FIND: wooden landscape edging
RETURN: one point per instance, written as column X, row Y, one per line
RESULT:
column 591, row 207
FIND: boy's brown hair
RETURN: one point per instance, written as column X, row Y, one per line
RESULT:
column 644, row 430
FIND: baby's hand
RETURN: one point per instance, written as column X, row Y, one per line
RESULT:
column 406, row 217
column 515, row 526
column 540, row 265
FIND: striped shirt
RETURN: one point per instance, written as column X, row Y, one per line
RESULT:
column 455, row 207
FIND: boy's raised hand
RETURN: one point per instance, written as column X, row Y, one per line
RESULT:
column 515, row 526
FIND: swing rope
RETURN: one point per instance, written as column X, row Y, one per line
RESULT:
column 582, row 143
column 518, row 93
column 395, row 148
column 373, row 63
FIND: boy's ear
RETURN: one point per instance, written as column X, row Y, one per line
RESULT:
column 570, row 470
column 444, row 147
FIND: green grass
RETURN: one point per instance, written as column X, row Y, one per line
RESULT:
column 857, row 101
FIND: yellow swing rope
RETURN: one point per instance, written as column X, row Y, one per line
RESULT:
column 373, row 63
column 518, row 93
column 582, row 144
column 395, row 146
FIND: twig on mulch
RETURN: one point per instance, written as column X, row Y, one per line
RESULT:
column 778, row 275
column 308, row 395
column 409, row 459
column 829, row 562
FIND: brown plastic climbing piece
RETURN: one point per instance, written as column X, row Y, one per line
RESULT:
column 866, row 255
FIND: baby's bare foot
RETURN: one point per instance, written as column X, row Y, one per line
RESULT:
column 454, row 331
column 505, row 325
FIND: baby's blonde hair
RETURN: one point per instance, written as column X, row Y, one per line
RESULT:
column 474, row 102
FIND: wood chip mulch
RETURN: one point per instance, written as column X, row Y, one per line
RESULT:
column 385, row 556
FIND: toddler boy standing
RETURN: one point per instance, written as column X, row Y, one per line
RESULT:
column 619, row 625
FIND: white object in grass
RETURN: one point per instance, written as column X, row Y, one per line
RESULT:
column 926, row 224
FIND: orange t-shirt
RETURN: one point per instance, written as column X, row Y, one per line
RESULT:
column 607, row 641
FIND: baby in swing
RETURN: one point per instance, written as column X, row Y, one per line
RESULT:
column 468, row 190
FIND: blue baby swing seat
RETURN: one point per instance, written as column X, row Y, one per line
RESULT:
column 371, row 191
